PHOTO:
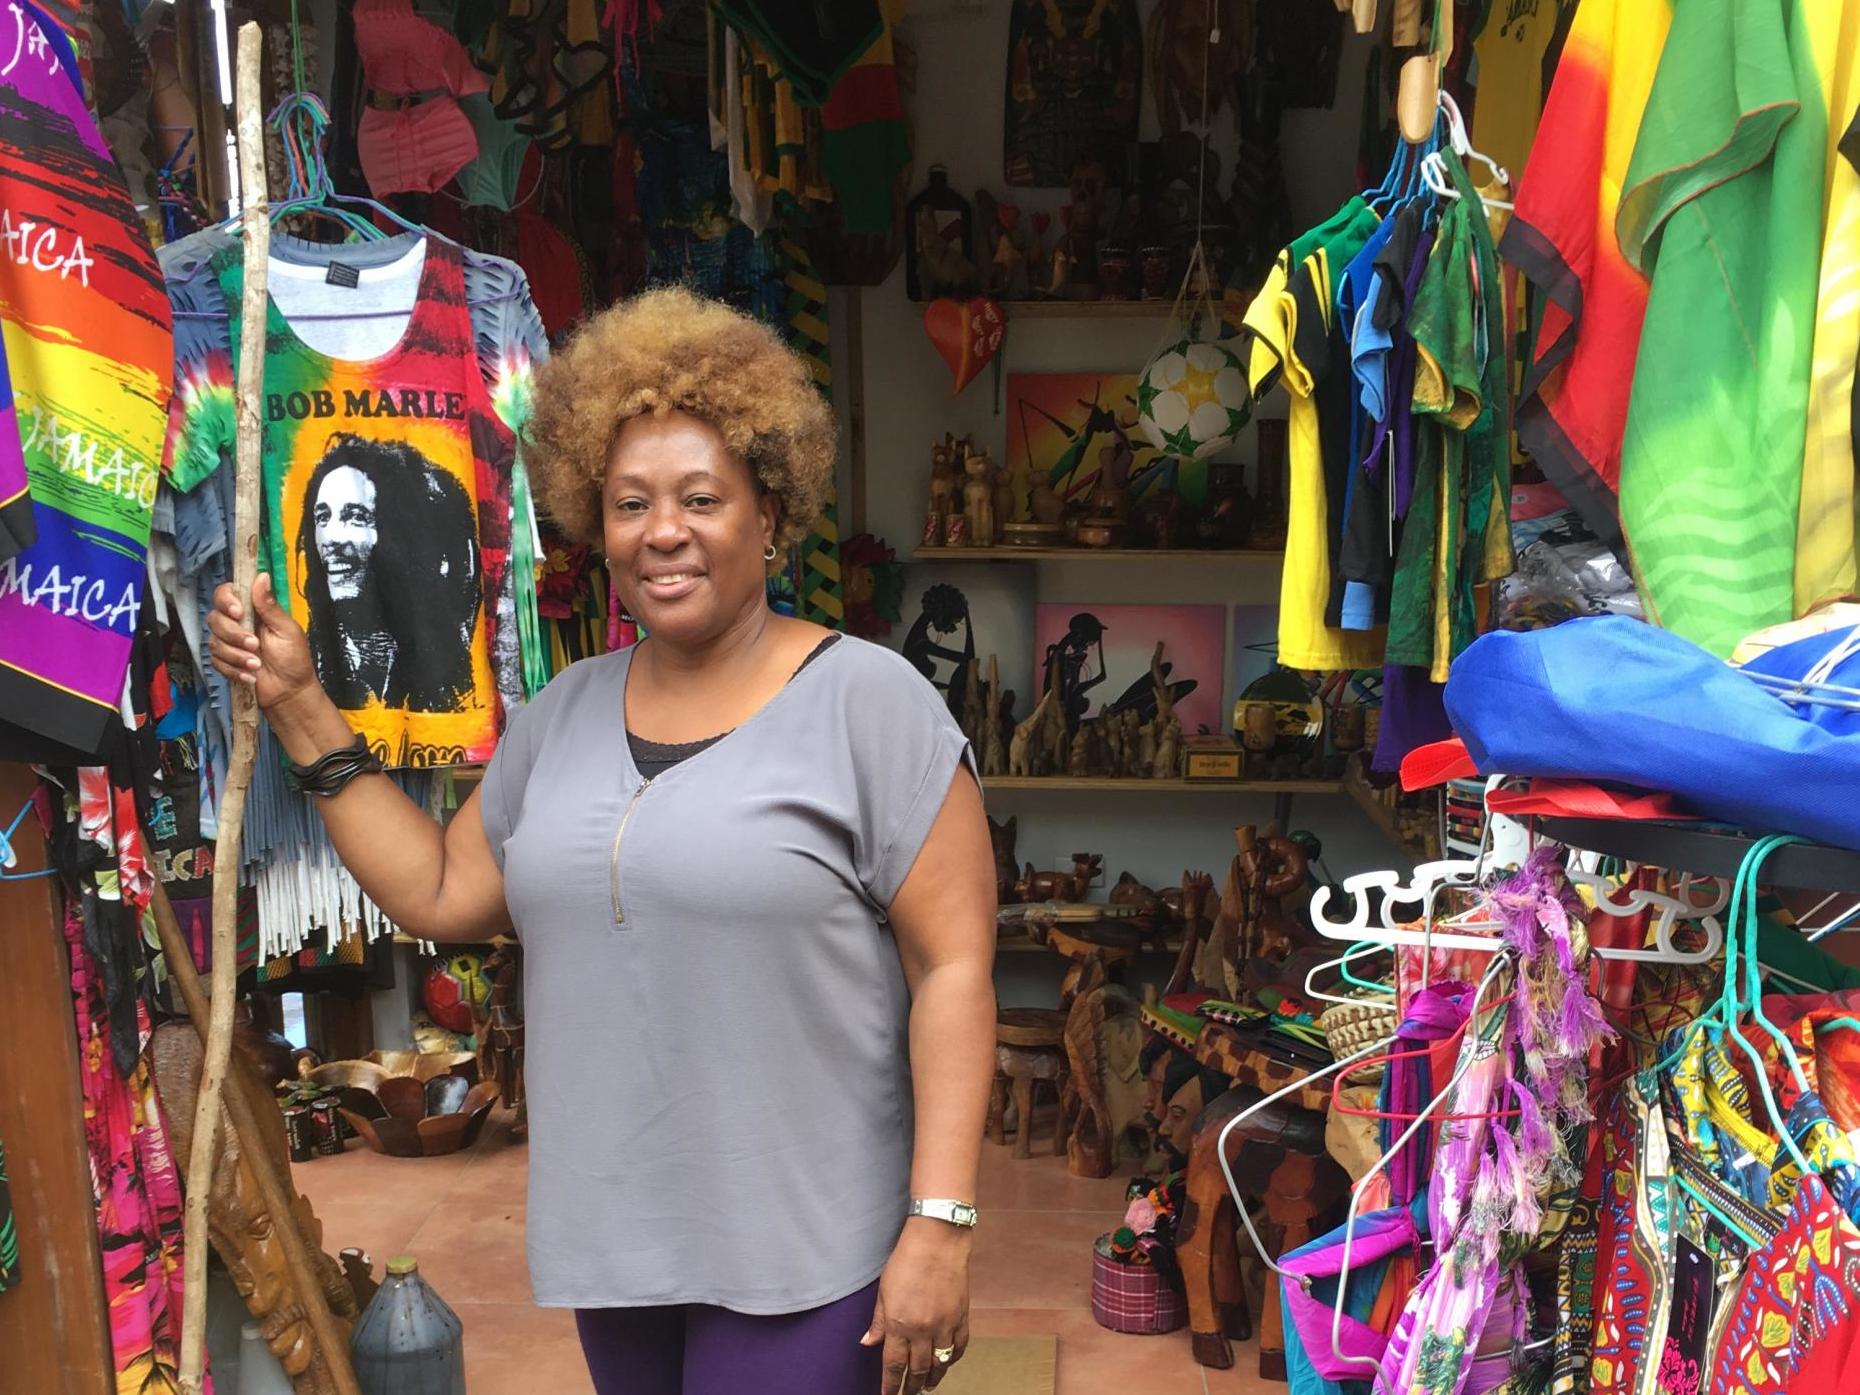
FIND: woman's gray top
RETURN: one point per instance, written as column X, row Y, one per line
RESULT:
column 716, row 1054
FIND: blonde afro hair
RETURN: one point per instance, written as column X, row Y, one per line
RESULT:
column 669, row 350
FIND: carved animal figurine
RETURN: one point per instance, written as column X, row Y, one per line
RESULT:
column 1078, row 755
column 1030, row 738
column 1058, row 737
column 1036, row 886
column 1004, row 496
column 974, row 711
column 942, row 492
column 993, row 743
column 1003, row 837
column 1168, row 763
column 1114, row 745
column 1145, row 762
column 1133, row 742
column 1133, row 893
column 1004, row 724
column 978, row 499
column 1159, row 684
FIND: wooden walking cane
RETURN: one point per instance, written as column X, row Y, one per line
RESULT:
column 226, row 856
column 331, row 1337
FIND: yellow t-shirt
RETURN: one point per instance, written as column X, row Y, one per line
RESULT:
column 1305, row 641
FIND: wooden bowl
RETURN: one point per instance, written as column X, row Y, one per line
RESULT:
column 425, row 1119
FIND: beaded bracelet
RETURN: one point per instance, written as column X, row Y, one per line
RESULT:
column 330, row 774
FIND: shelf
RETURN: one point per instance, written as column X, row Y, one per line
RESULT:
column 1088, row 783
column 1094, row 554
column 1087, row 309
column 1029, row 947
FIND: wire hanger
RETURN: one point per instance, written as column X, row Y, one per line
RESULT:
column 9, row 858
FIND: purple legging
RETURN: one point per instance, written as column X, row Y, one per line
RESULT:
column 695, row 1349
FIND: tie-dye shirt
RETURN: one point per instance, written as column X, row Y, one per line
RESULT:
column 375, row 425
column 88, row 352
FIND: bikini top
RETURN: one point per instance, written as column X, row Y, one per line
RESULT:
column 404, row 54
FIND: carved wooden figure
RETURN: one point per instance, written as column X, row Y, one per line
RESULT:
column 1267, row 869
column 1168, row 763
column 1100, row 1042
column 993, row 747
column 1007, row 870
column 942, row 492
column 1036, row 886
column 978, row 499
column 1282, row 1148
column 1028, row 746
column 240, row 1226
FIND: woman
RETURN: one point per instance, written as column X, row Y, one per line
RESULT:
column 753, row 880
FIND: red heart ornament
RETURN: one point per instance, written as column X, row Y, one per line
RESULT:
column 968, row 333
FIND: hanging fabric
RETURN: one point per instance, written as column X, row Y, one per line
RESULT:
column 1573, row 407
column 88, row 349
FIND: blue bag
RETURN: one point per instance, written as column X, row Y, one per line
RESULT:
column 1612, row 699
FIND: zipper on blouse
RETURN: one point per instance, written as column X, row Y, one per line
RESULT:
column 613, row 865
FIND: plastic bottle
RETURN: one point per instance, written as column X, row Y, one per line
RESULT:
column 408, row 1342
column 259, row 1371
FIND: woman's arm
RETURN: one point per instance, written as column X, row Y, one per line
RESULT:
column 944, row 921
column 435, row 884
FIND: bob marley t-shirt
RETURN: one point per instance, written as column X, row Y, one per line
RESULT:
column 386, row 518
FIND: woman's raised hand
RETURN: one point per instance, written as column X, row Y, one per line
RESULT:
column 274, row 659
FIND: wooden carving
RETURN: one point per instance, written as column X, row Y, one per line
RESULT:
column 498, row 1025
column 1036, row 886
column 1102, row 1096
column 1185, row 68
column 1198, row 905
column 1268, row 868
column 993, row 750
column 240, row 1226
column 1028, row 747
column 1003, row 836
column 1280, row 1151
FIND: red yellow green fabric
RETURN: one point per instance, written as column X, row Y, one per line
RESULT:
column 1723, row 210
column 1573, row 408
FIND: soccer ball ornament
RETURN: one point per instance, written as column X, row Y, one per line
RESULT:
column 452, row 986
column 1192, row 399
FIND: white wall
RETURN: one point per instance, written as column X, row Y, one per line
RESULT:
column 958, row 114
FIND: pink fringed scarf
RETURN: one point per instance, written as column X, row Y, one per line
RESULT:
column 1489, row 1178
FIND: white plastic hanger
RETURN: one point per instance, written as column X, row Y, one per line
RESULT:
column 1434, row 169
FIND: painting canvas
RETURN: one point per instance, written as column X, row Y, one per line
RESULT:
column 1254, row 652
column 1194, row 647
column 1058, row 423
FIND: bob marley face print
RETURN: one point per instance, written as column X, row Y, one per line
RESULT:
column 389, row 559
column 344, row 515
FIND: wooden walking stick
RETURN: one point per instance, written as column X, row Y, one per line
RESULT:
column 331, row 1335
column 226, row 856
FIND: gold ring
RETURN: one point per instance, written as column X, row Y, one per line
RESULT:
column 944, row 1355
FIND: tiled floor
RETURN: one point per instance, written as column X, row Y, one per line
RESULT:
column 462, row 1217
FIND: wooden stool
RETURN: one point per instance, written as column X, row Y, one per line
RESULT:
column 1029, row 1048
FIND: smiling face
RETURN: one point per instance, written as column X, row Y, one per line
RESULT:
column 346, row 533
column 685, row 528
